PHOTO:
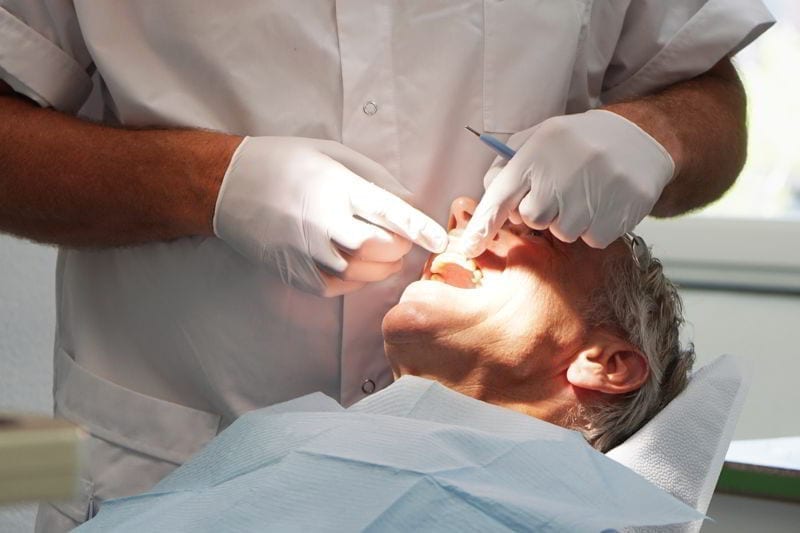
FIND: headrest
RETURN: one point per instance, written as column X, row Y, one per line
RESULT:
column 683, row 447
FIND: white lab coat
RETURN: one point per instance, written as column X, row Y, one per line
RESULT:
column 160, row 346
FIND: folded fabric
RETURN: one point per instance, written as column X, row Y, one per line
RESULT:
column 683, row 447
column 416, row 456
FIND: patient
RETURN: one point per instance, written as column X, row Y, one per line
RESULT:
column 471, row 436
column 584, row 338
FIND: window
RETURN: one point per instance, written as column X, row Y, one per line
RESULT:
column 769, row 186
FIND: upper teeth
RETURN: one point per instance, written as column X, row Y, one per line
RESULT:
column 451, row 257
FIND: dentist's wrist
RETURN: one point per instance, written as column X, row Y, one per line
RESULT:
column 657, row 124
column 208, row 158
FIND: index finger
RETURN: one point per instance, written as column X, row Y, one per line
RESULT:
column 384, row 209
column 500, row 198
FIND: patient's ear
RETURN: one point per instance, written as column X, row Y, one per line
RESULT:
column 609, row 365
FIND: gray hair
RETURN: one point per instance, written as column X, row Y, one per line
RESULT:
column 641, row 305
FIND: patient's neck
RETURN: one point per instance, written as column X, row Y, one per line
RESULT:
column 549, row 398
column 558, row 407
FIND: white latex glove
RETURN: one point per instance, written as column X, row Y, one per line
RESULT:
column 593, row 175
column 319, row 214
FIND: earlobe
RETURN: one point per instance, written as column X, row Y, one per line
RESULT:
column 615, row 368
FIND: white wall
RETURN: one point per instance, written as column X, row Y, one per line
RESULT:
column 764, row 329
column 27, row 313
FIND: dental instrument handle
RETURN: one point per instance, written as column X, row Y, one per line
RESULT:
column 495, row 144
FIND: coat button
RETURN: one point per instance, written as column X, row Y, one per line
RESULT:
column 370, row 108
column 368, row 386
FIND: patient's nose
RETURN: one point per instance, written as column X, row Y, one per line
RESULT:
column 460, row 212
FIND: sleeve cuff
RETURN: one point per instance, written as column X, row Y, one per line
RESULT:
column 39, row 69
column 721, row 28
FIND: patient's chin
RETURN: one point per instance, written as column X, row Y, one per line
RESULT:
column 409, row 321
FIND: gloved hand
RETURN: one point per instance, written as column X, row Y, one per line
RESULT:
column 319, row 214
column 593, row 175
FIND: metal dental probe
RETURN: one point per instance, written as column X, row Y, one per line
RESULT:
column 495, row 144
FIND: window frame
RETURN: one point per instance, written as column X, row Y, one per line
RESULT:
column 728, row 253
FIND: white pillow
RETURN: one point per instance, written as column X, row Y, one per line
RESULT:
column 683, row 447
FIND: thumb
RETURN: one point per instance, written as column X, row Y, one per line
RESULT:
column 500, row 201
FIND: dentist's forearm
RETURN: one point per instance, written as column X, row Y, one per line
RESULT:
column 701, row 123
column 71, row 182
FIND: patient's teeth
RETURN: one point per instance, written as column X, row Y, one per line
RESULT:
column 455, row 268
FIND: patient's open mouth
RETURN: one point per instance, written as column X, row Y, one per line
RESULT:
column 454, row 268
column 457, row 270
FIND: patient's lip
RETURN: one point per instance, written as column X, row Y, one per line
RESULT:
column 456, row 275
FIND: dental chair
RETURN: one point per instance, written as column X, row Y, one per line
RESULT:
column 682, row 449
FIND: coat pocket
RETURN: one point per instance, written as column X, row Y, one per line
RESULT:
column 135, row 440
column 530, row 48
column 162, row 429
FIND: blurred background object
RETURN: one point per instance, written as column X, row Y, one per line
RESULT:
column 39, row 458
